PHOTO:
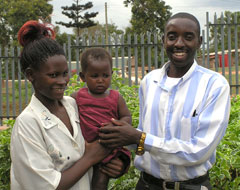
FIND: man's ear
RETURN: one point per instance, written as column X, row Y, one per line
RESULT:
column 200, row 42
column 82, row 76
column 163, row 37
column 29, row 74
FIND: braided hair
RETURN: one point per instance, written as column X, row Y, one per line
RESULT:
column 38, row 44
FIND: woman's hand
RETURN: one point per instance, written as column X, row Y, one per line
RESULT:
column 96, row 152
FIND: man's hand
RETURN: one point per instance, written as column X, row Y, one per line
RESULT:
column 122, row 134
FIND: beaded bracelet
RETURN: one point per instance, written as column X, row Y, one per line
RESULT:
column 140, row 149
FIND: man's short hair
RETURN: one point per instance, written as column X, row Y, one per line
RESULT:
column 188, row 16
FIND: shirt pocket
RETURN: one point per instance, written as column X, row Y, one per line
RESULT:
column 188, row 127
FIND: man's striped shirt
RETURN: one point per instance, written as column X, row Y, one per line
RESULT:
column 184, row 124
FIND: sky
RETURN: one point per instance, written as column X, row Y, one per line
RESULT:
column 120, row 15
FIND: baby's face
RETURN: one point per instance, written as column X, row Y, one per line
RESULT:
column 98, row 76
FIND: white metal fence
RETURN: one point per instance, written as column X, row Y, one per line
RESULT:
column 133, row 55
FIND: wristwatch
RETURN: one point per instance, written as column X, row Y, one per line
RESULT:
column 140, row 148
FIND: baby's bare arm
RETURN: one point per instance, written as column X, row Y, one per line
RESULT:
column 124, row 113
column 74, row 95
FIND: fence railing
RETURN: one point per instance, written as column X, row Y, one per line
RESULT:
column 133, row 55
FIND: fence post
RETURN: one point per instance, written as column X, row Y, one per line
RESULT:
column 142, row 55
column 155, row 50
column 136, row 58
column 6, row 82
column 69, row 56
column 13, row 83
column 222, row 45
column 1, row 110
column 149, row 51
column 162, row 53
column 207, row 21
column 77, row 56
column 236, row 52
column 203, row 48
column 123, row 56
column 129, row 60
column 116, row 51
column 215, row 42
column 19, row 82
column 229, row 52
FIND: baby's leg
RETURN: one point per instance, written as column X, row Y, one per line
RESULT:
column 99, row 180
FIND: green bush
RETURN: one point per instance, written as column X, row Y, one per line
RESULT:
column 73, row 85
column 5, row 161
column 225, row 174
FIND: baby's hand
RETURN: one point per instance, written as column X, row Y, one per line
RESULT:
column 108, row 124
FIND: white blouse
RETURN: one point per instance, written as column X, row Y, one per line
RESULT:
column 42, row 147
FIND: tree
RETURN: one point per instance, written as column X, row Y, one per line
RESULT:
column 78, row 21
column 148, row 15
column 14, row 13
column 101, row 28
column 148, row 21
column 62, row 38
column 4, row 31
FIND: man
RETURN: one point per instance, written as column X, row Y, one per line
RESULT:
column 184, row 111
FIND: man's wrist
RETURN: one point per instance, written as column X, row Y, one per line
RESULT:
column 140, row 147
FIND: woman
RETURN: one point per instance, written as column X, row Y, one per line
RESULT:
column 48, row 150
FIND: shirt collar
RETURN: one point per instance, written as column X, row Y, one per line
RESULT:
column 190, row 71
column 47, row 118
column 42, row 113
column 163, row 72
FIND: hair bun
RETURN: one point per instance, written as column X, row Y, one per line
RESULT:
column 33, row 30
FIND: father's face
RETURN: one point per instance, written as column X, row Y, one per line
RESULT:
column 181, row 40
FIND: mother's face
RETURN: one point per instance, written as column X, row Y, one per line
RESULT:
column 51, row 79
